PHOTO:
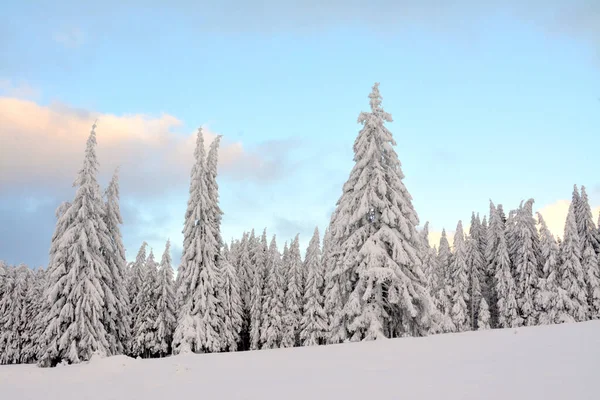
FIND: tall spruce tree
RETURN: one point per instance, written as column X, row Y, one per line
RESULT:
column 460, row 282
column 14, row 315
column 200, row 321
column 527, row 262
column 475, row 269
column 293, row 297
column 495, row 232
column 273, row 305
column 117, row 310
column 313, row 326
column 165, row 305
column 573, row 297
column 374, row 230
column 145, row 333
column 258, row 259
column 590, row 245
column 548, row 282
column 232, row 305
column 79, row 277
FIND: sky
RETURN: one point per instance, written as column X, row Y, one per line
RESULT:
column 491, row 100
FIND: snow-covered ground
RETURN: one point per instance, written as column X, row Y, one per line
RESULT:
column 552, row 362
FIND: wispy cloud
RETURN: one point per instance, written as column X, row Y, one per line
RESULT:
column 71, row 38
column 20, row 90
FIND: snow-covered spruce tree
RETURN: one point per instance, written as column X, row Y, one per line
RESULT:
column 232, row 306
column 145, row 333
column 495, row 232
column 274, row 298
column 475, row 269
column 460, row 282
column 332, row 291
column 293, row 299
column 445, row 257
column 258, row 260
column 436, row 286
column 499, row 262
column 200, row 322
column 573, row 297
column 32, row 347
column 512, row 239
column 313, row 327
column 590, row 244
column 374, row 227
column 483, row 235
column 79, row 279
column 548, row 284
column 165, row 305
column 117, row 310
column 527, row 262
column 483, row 316
column 14, row 314
column 136, row 279
column 244, row 272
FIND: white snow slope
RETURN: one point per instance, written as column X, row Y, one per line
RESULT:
column 559, row 362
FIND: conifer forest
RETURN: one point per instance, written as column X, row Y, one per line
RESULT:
column 371, row 274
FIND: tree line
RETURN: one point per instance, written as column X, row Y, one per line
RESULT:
column 373, row 275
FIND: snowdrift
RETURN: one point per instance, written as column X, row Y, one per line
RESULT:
column 559, row 362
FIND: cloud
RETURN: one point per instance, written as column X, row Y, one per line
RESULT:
column 43, row 146
column 70, row 38
column 555, row 215
column 19, row 90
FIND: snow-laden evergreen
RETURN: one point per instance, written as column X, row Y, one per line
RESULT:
column 508, row 312
column 145, row 339
column 573, row 296
column 79, row 279
column 460, row 282
column 166, row 319
column 377, row 244
column 274, row 299
column 527, row 262
column 495, row 232
column 293, row 296
column 244, row 273
column 313, row 326
column 590, row 245
column 483, row 316
column 136, row 279
column 200, row 320
column 258, row 259
column 444, row 258
column 548, row 282
column 475, row 269
column 117, row 309
column 33, row 345
column 232, row 305
column 333, row 287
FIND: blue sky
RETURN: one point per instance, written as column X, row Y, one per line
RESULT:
column 497, row 101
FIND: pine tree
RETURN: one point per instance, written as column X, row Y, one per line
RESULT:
column 145, row 332
column 483, row 235
column 495, row 232
column 244, row 272
column 332, row 291
column 232, row 305
column 117, row 310
column 79, row 277
column 573, row 297
column 314, row 320
column 460, row 282
column 483, row 316
column 293, row 305
column 258, row 260
column 590, row 245
column 273, row 305
column 548, row 284
column 34, row 325
column 374, row 227
column 134, row 284
column 508, row 313
column 14, row 332
column 475, row 270
column 165, row 305
column 444, row 258
column 527, row 264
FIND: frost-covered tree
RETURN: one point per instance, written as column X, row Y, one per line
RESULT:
column 232, row 305
column 508, row 315
column 332, row 291
column 590, row 244
column 200, row 320
column 573, row 296
column 166, row 319
column 495, row 232
column 548, row 284
column 274, row 299
column 117, row 309
column 14, row 313
column 527, row 262
column 374, row 229
column 313, row 327
column 79, row 279
column 483, row 235
column 460, row 282
column 136, row 279
column 33, row 347
column 293, row 299
column 483, row 316
column 475, row 270
column 444, row 257
column 244, row 272
column 145, row 332
column 258, row 259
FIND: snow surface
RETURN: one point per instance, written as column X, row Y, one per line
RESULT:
column 547, row 362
